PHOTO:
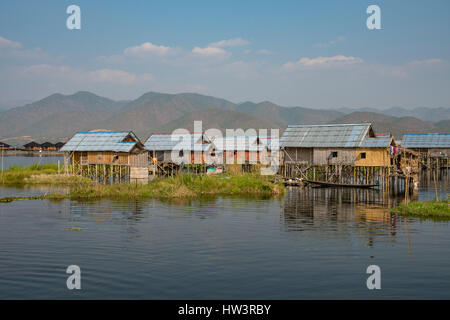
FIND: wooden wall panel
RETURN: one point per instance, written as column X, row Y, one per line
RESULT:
column 375, row 157
column 322, row 156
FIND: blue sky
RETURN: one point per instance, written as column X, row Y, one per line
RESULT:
column 316, row 54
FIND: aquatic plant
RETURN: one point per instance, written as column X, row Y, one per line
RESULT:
column 439, row 209
column 38, row 174
column 182, row 186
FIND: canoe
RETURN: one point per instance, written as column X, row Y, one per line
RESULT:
column 341, row 185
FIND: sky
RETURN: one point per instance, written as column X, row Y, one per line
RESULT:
column 317, row 54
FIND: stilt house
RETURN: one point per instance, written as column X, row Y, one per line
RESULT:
column 109, row 155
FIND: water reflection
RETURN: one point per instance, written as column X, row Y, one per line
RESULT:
column 341, row 212
column 314, row 243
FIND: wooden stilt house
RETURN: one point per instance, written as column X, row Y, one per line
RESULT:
column 108, row 156
column 240, row 149
column 349, row 153
column 189, row 148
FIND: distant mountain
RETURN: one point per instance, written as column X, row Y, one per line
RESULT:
column 58, row 116
column 9, row 104
column 425, row 114
column 283, row 116
column 396, row 125
column 442, row 126
column 218, row 119
column 153, row 110
column 157, row 112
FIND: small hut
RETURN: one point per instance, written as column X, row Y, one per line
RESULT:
column 4, row 146
column 32, row 146
column 433, row 148
column 59, row 145
column 428, row 144
column 240, row 149
column 322, row 145
column 376, row 152
column 189, row 148
column 349, row 153
column 107, row 156
column 48, row 146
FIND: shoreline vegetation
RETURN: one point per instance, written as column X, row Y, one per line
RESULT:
column 425, row 209
column 179, row 187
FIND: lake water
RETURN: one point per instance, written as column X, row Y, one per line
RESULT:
column 27, row 161
column 313, row 243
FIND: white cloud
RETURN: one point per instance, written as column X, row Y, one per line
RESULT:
column 427, row 62
column 265, row 52
column 45, row 70
column 236, row 42
column 405, row 70
column 65, row 73
column 210, row 52
column 322, row 62
column 5, row 43
column 117, row 76
column 147, row 48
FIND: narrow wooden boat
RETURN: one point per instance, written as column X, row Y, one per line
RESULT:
column 341, row 185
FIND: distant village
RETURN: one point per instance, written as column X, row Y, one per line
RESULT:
column 346, row 154
column 34, row 146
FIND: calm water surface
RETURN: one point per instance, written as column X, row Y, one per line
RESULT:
column 27, row 161
column 314, row 243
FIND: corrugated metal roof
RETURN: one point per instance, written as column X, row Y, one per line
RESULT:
column 238, row 143
column 426, row 140
column 168, row 142
column 333, row 135
column 376, row 142
column 101, row 141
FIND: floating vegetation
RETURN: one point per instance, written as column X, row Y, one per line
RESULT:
column 183, row 186
column 439, row 209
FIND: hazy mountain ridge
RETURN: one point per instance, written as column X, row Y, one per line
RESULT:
column 58, row 117
column 396, row 125
column 423, row 113
column 283, row 116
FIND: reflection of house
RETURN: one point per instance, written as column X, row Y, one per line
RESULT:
column 4, row 146
column 179, row 148
column 429, row 145
column 48, row 146
column 32, row 146
column 340, row 211
column 107, row 151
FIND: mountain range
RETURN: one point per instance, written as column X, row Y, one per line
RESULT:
column 58, row 117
